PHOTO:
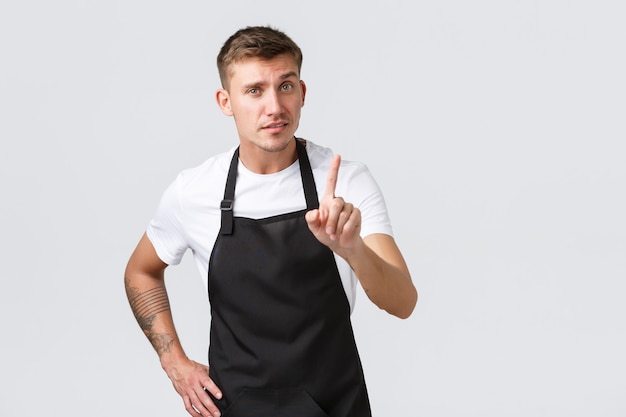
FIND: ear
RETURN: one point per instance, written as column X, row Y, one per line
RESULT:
column 223, row 101
column 303, row 88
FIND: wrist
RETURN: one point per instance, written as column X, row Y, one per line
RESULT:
column 354, row 252
column 170, row 360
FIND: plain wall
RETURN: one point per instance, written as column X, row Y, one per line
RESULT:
column 495, row 129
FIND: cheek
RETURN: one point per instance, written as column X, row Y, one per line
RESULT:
column 245, row 115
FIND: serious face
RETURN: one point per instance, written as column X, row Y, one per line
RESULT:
column 265, row 98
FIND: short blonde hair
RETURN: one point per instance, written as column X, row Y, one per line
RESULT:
column 262, row 42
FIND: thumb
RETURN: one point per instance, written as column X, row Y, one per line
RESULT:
column 313, row 220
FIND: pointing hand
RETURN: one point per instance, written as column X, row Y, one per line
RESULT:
column 337, row 223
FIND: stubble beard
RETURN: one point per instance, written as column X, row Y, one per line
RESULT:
column 275, row 145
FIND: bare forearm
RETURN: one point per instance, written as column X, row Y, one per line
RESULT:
column 144, row 280
column 150, row 304
column 388, row 284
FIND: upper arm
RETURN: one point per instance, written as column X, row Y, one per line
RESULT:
column 144, row 260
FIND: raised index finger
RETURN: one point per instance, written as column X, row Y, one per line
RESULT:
column 333, row 173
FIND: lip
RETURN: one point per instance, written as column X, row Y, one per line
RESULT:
column 275, row 125
column 275, row 128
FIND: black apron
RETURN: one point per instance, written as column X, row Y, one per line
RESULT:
column 281, row 342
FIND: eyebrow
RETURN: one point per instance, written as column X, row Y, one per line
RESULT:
column 260, row 83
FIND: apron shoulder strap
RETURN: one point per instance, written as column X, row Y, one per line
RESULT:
column 308, row 182
column 226, row 206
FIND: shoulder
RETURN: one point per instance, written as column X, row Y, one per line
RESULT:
column 211, row 170
column 321, row 156
column 198, row 185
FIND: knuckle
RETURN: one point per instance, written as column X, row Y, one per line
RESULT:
column 337, row 203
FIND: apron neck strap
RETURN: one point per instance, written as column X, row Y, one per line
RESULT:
column 226, row 206
column 308, row 183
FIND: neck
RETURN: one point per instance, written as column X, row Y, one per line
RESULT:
column 261, row 161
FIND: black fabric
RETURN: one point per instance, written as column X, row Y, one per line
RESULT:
column 281, row 341
column 226, row 206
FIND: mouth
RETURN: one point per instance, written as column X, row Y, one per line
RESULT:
column 277, row 125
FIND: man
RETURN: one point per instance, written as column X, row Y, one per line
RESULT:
column 280, row 249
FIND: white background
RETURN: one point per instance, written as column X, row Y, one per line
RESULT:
column 495, row 129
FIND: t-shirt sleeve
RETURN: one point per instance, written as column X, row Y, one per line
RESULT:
column 165, row 230
column 364, row 192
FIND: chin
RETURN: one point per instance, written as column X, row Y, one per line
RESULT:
column 277, row 144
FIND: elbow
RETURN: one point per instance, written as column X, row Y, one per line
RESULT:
column 410, row 302
column 404, row 309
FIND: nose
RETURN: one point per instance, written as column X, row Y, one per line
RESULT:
column 273, row 105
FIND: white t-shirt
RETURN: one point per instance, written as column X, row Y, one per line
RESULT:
column 188, row 215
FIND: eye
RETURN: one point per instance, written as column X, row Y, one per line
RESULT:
column 253, row 91
column 286, row 87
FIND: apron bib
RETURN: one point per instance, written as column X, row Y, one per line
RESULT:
column 281, row 341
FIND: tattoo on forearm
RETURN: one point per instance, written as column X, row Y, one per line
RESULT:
column 145, row 306
column 150, row 303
